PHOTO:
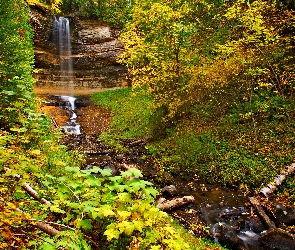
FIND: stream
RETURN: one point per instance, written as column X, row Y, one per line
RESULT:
column 225, row 213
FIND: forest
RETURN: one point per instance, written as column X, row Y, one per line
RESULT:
column 211, row 91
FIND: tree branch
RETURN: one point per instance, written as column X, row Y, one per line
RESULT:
column 271, row 187
column 30, row 190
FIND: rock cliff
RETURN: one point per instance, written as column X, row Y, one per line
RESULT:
column 95, row 48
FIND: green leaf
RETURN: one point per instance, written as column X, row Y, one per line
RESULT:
column 8, row 92
column 47, row 246
column 85, row 224
column 132, row 172
column 72, row 169
column 62, row 179
column 46, row 183
column 124, row 197
column 18, row 104
column 56, row 209
column 105, row 172
column 74, row 205
column 97, row 213
column 19, row 194
column 135, row 186
column 93, row 181
column 117, row 187
column 151, row 190
column 95, row 170
column 112, row 232
column 88, row 209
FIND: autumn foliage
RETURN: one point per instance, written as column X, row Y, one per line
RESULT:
column 177, row 48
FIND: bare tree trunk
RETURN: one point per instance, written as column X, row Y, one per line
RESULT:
column 34, row 194
column 42, row 226
column 270, row 188
column 164, row 204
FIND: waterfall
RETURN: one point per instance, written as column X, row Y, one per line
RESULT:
column 62, row 40
column 71, row 126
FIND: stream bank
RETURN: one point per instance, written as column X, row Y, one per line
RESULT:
column 219, row 213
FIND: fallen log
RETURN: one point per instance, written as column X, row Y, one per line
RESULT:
column 30, row 190
column 268, row 223
column 165, row 204
column 128, row 166
column 34, row 194
column 47, row 229
column 271, row 187
column 136, row 143
column 42, row 225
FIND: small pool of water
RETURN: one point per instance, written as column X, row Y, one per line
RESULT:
column 59, row 90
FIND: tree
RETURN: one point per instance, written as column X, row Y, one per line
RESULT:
column 115, row 12
column 16, row 62
column 179, row 48
column 167, row 45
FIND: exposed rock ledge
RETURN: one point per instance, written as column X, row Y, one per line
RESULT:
column 95, row 48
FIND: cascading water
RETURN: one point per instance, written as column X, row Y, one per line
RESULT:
column 62, row 40
column 71, row 125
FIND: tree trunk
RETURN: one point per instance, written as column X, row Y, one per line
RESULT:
column 270, row 188
column 265, row 219
column 164, row 204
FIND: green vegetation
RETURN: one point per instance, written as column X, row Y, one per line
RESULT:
column 217, row 141
column 16, row 60
column 41, row 181
column 128, row 120
column 126, row 115
column 212, row 86
column 116, row 12
column 220, row 79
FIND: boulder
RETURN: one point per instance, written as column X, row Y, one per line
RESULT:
column 169, row 191
column 277, row 239
column 226, row 235
column 284, row 215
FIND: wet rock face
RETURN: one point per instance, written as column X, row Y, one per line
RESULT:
column 284, row 215
column 227, row 236
column 277, row 239
column 95, row 48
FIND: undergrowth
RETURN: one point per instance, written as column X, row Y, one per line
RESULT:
column 90, row 208
column 225, row 138
column 131, row 114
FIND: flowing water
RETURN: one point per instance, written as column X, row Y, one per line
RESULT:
column 62, row 40
column 71, row 126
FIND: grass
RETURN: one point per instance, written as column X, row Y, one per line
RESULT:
column 130, row 111
column 233, row 140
